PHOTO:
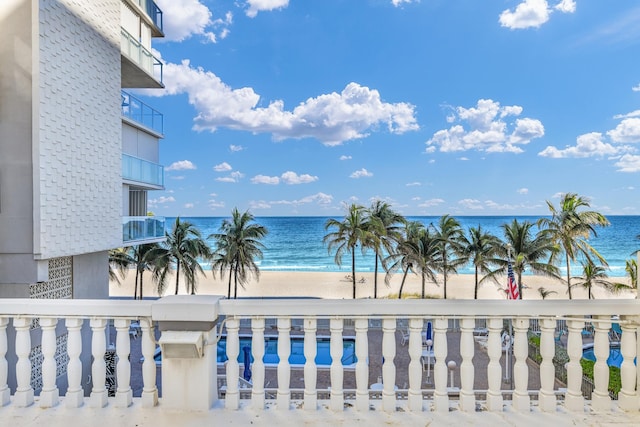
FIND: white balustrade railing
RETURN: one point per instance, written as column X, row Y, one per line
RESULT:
column 338, row 318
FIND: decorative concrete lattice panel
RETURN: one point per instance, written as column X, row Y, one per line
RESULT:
column 36, row 357
column 60, row 283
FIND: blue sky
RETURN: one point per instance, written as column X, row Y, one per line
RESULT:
column 461, row 107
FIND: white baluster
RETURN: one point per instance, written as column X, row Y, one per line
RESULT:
column 23, row 396
column 388, row 367
column 600, row 400
column 494, row 370
column 98, row 397
column 627, row 397
column 149, row 395
column 75, row 395
column 283, row 398
column 49, row 395
column 232, row 396
column 546, row 396
column 336, row 349
column 362, row 365
column 310, row 368
column 521, row 400
column 467, row 372
column 124, row 394
column 257, row 375
column 574, row 401
column 4, row 366
column 415, row 365
column 440, row 395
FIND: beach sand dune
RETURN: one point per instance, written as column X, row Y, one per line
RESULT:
column 336, row 285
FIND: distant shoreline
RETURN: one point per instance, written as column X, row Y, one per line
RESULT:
column 334, row 285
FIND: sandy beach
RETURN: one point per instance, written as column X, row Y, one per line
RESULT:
column 336, row 285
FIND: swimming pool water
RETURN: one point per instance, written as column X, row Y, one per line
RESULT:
column 323, row 355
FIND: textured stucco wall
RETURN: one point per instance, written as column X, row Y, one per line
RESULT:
column 77, row 128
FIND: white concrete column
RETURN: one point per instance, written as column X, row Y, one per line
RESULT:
column 124, row 394
column 23, row 396
column 149, row 395
column 49, row 395
column 628, row 397
column 494, row 370
column 440, row 395
column 574, row 401
column 389, row 367
column 257, row 374
column 467, row 372
column 98, row 397
column 283, row 399
column 415, row 365
column 600, row 400
column 362, row 365
column 75, row 395
column 4, row 366
column 232, row 396
column 546, row 396
column 336, row 348
column 521, row 400
column 310, row 368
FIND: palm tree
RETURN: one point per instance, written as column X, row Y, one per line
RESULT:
column 570, row 228
column 631, row 267
column 119, row 263
column 385, row 234
column 450, row 238
column 354, row 229
column 153, row 258
column 424, row 253
column 545, row 293
column 592, row 275
column 185, row 247
column 526, row 250
column 237, row 247
column 480, row 248
column 405, row 254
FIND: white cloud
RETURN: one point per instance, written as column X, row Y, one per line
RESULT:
column 293, row 178
column 636, row 88
column 263, row 179
column 233, row 177
column 256, row 6
column 472, row 204
column 260, row 204
column 161, row 201
column 627, row 130
column 628, row 163
column 587, row 145
column 192, row 18
column 235, row 148
column 331, row 118
column 318, row 198
column 215, row 204
column 397, row 3
column 222, row 167
column 177, row 177
column 188, row 205
column 343, row 157
column 533, row 13
column 431, row 203
column 362, row 173
column 180, row 166
column 413, row 184
column 523, row 191
column 486, row 129
column 635, row 113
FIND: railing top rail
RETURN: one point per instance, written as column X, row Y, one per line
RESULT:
column 75, row 308
column 301, row 307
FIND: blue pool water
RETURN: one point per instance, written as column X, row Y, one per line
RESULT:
column 323, row 355
column 614, row 359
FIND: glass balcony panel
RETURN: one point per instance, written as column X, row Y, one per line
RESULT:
column 135, row 169
column 136, row 110
column 134, row 50
column 141, row 229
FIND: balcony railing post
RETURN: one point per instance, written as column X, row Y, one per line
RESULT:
column 574, row 401
column 284, row 367
column 232, row 396
column 99, row 366
column 467, row 372
column 337, row 371
column 600, row 400
column 310, row 368
column 440, row 395
column 547, row 397
column 521, row 400
column 4, row 366
column 628, row 397
column 49, row 395
column 388, row 367
column 124, row 394
column 23, row 396
column 149, row 388
column 362, row 367
column 415, row 366
column 257, row 376
column 494, row 370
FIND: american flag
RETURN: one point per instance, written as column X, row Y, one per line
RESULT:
column 512, row 286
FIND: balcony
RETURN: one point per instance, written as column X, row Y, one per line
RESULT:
column 138, row 171
column 154, row 14
column 140, row 69
column 389, row 383
column 142, row 229
column 137, row 111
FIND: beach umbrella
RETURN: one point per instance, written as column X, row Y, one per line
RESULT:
column 429, row 333
column 246, row 374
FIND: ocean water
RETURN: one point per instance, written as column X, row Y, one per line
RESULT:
column 295, row 243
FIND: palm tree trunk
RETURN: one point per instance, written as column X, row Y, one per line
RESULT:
column 353, row 270
column 404, row 277
column 235, row 285
column 375, row 278
column 423, row 283
column 229, row 288
column 177, row 275
column 475, row 289
column 141, row 283
column 135, row 285
column 519, row 285
column 445, row 284
column 568, row 275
